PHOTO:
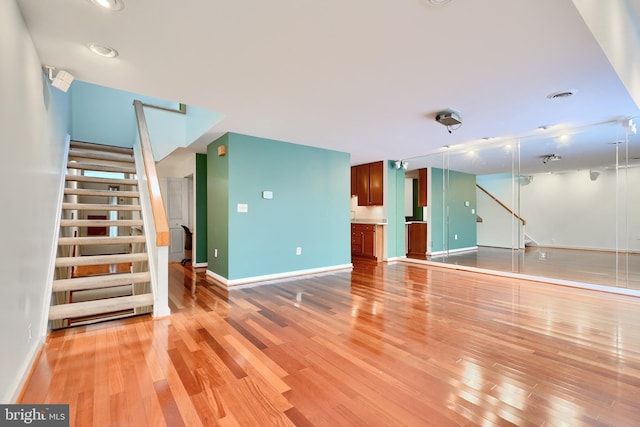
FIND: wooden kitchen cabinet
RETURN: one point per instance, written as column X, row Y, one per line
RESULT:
column 417, row 240
column 365, row 241
column 354, row 181
column 369, row 185
column 423, row 187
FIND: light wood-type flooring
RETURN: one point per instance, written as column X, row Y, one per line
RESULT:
column 386, row 345
column 606, row 268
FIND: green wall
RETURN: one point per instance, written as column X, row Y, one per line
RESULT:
column 310, row 207
column 218, row 208
column 451, row 189
column 201, row 208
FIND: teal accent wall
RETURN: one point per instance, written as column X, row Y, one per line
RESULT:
column 449, row 192
column 395, row 213
column 438, row 229
column 106, row 116
column 310, row 208
column 218, row 208
column 201, row 208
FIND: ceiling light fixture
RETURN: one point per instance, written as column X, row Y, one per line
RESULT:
column 104, row 51
column 562, row 94
column 108, row 4
column 436, row 3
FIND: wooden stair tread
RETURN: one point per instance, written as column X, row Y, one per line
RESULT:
column 101, row 223
column 100, row 240
column 99, row 207
column 101, row 168
column 100, row 281
column 101, row 193
column 86, row 308
column 116, row 181
column 100, row 259
column 101, row 147
column 100, row 155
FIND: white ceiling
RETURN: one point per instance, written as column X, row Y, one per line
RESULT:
column 359, row 76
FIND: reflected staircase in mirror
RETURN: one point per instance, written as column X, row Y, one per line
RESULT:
column 102, row 265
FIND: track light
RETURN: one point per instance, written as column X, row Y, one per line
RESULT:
column 61, row 81
column 401, row 164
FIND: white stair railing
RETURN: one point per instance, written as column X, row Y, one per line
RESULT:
column 156, row 227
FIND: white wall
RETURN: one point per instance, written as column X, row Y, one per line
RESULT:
column 181, row 164
column 34, row 123
column 569, row 210
column 499, row 228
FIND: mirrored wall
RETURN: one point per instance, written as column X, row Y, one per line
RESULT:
column 560, row 204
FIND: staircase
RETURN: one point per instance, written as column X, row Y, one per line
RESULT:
column 102, row 265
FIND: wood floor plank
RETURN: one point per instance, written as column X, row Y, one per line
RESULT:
column 388, row 345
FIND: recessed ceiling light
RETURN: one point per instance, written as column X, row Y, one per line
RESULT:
column 436, row 3
column 109, row 4
column 562, row 94
column 104, row 51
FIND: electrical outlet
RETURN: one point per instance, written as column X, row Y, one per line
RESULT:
column 215, row 253
column 455, row 237
column 298, row 251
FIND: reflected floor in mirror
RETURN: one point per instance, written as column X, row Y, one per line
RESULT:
column 595, row 267
column 382, row 345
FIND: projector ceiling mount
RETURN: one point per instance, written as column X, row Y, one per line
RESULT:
column 450, row 119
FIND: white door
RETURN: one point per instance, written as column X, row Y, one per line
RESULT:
column 176, row 202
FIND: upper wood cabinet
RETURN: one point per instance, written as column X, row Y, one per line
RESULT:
column 423, row 187
column 354, row 181
column 369, row 186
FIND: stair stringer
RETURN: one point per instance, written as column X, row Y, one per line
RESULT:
column 158, row 255
column 48, row 296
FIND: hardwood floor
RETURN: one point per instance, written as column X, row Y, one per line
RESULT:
column 595, row 267
column 384, row 345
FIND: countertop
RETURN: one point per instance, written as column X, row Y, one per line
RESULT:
column 369, row 221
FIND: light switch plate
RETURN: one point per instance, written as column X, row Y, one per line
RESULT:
column 243, row 207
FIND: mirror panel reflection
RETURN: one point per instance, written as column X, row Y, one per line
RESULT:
column 560, row 204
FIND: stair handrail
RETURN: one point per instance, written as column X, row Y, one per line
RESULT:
column 502, row 204
column 157, row 205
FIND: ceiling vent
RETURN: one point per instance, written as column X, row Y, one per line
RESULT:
column 551, row 158
column 562, row 94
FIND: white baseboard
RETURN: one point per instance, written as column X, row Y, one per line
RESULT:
column 540, row 279
column 200, row 264
column 453, row 251
column 27, row 368
column 247, row 282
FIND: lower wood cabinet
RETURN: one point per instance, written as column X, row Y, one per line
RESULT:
column 366, row 241
column 417, row 240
